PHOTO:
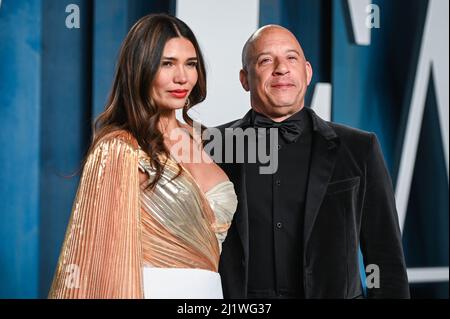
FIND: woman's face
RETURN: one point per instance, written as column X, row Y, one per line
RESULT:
column 177, row 75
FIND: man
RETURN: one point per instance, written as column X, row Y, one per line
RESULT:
column 297, row 232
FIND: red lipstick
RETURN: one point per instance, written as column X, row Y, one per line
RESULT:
column 179, row 94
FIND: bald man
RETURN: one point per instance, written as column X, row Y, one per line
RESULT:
column 297, row 232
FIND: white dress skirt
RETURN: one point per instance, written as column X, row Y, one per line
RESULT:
column 181, row 283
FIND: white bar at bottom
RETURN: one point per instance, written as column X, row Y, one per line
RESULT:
column 181, row 283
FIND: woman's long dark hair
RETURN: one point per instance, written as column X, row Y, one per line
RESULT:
column 130, row 106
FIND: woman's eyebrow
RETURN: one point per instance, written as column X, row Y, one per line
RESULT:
column 170, row 58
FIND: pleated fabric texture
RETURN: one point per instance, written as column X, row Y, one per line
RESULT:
column 118, row 226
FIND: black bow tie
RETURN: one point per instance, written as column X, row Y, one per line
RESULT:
column 290, row 129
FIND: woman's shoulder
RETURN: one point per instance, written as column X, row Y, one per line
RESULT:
column 119, row 138
column 113, row 153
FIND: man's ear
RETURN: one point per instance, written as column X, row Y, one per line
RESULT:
column 309, row 73
column 243, row 78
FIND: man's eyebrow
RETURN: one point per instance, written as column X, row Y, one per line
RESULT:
column 294, row 51
column 262, row 53
column 268, row 53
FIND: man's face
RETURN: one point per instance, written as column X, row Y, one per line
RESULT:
column 277, row 74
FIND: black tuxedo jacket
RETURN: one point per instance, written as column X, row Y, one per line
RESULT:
column 349, row 204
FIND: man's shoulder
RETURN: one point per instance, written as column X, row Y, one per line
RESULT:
column 354, row 140
column 346, row 132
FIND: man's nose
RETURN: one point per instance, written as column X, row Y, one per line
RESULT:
column 280, row 68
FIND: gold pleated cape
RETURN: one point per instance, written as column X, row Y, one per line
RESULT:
column 117, row 226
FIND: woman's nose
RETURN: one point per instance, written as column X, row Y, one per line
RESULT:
column 180, row 75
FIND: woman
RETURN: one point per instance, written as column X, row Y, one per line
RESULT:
column 143, row 224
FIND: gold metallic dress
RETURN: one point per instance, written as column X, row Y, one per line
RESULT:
column 117, row 227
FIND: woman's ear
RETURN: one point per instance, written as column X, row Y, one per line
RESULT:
column 243, row 78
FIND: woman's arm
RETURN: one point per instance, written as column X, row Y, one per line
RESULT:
column 101, row 253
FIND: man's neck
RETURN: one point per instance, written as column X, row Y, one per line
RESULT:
column 278, row 117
